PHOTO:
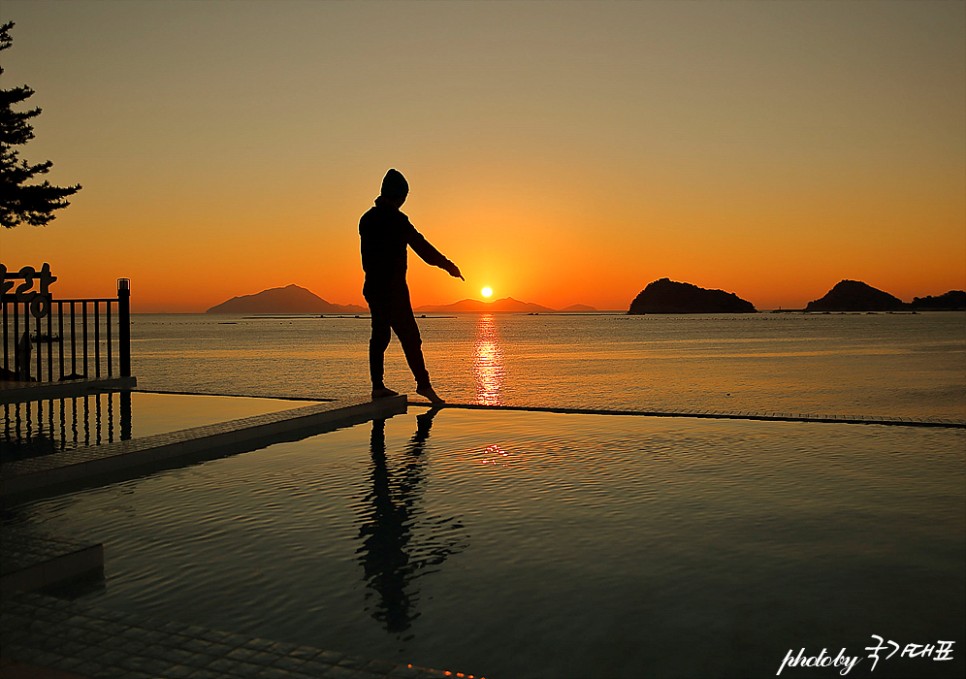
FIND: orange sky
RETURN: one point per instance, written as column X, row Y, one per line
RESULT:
column 561, row 153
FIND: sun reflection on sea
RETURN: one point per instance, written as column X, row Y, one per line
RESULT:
column 488, row 362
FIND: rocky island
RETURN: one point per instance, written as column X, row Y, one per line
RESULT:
column 850, row 295
column 954, row 300
column 665, row 296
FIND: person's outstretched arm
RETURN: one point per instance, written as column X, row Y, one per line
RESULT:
column 431, row 255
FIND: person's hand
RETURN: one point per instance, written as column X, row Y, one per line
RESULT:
column 454, row 271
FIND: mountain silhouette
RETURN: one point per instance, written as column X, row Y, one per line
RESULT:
column 291, row 299
column 954, row 300
column 505, row 305
column 665, row 296
column 850, row 295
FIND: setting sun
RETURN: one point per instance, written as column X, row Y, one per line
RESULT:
column 487, row 292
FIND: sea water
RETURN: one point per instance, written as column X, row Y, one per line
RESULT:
column 886, row 365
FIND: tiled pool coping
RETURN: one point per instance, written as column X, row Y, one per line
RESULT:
column 31, row 563
column 45, row 632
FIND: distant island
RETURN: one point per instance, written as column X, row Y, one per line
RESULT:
column 291, row 299
column 954, row 300
column 665, row 296
column 849, row 295
column 505, row 305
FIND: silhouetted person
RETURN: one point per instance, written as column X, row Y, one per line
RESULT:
column 386, row 233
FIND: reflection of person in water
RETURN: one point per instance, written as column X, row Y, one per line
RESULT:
column 386, row 233
column 394, row 551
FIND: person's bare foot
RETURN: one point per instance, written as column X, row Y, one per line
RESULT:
column 383, row 392
column 429, row 393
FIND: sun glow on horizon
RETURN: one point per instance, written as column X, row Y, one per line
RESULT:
column 487, row 292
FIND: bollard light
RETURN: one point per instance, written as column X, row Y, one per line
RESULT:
column 124, row 284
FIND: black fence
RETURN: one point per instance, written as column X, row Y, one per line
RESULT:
column 48, row 340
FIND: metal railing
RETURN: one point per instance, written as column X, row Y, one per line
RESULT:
column 48, row 340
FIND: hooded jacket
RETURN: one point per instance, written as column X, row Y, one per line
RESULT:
column 385, row 233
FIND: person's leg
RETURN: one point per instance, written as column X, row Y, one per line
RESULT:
column 379, row 312
column 404, row 325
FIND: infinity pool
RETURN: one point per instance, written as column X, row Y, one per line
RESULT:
column 514, row 544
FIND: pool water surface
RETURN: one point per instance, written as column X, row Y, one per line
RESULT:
column 520, row 544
